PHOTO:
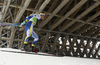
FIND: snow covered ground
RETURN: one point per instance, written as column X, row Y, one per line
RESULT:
column 8, row 58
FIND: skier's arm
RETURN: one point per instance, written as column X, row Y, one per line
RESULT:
column 25, row 21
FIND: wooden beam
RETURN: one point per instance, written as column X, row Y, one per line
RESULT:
column 0, row 31
column 63, row 44
column 53, row 13
column 2, row 11
column 45, row 42
column 68, row 14
column 11, row 38
column 1, row 3
column 96, row 33
column 97, row 22
column 72, row 44
column 80, row 16
column 86, row 47
column 72, row 16
column 5, row 9
column 98, row 1
column 22, row 3
column 92, row 17
column 19, row 15
column 18, row 6
column 55, row 43
column 84, row 28
column 65, row 8
column 43, row 5
column 53, row 6
column 98, row 49
column 4, row 38
column 75, row 28
column 79, row 46
column 93, row 47
column 83, row 22
column 88, row 10
column 38, row 4
column 92, row 30
column 21, row 45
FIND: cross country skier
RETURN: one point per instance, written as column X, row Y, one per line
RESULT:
column 31, row 20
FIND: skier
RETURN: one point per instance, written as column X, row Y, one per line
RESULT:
column 31, row 20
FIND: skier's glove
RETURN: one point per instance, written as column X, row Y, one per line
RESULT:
column 23, row 23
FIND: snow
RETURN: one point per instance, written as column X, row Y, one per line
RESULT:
column 8, row 58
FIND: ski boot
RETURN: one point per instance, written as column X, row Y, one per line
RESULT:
column 25, row 48
column 34, row 49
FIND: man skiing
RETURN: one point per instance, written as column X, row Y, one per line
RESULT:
column 31, row 20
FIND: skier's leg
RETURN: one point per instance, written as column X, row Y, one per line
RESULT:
column 29, row 29
column 25, row 46
column 27, row 37
column 35, row 36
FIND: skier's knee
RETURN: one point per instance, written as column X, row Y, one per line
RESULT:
column 36, row 39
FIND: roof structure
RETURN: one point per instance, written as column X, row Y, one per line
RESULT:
column 71, row 27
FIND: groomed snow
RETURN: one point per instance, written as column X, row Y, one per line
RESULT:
column 8, row 58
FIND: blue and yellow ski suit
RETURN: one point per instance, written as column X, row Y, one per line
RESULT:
column 31, row 21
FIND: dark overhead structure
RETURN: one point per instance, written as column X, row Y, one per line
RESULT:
column 70, row 28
